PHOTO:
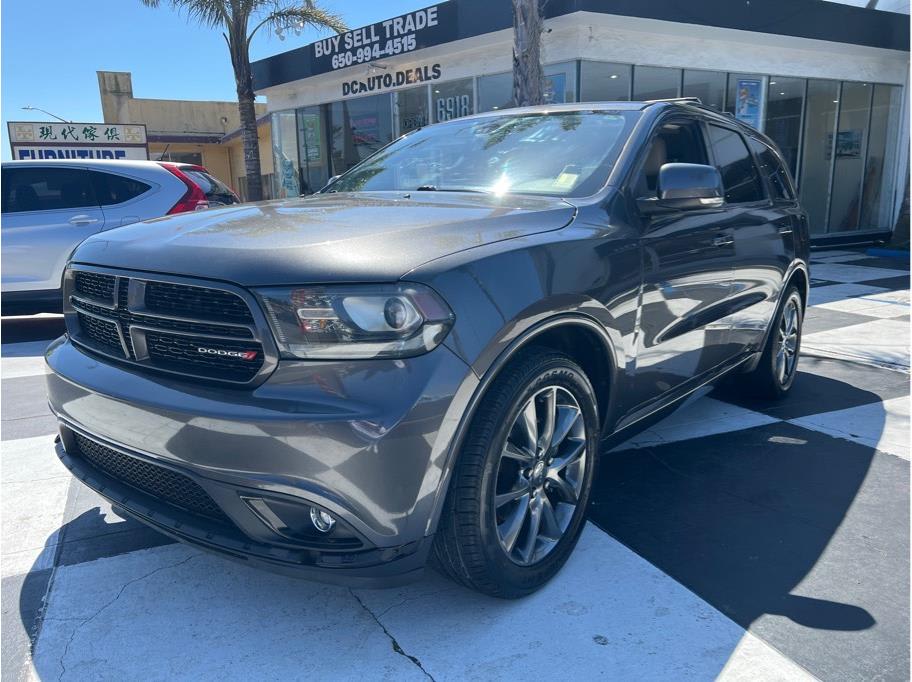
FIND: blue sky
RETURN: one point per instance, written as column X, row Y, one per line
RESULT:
column 50, row 51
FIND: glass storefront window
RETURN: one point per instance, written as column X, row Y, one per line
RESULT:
column 495, row 92
column 311, row 149
column 452, row 100
column 709, row 86
column 359, row 128
column 878, row 190
column 819, row 125
column 655, row 82
column 784, row 107
column 851, row 144
column 412, row 108
column 558, row 86
column 604, row 82
column 559, row 83
column 285, row 155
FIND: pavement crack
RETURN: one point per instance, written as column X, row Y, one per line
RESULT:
column 86, row 621
column 398, row 649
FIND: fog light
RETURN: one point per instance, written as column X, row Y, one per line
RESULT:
column 321, row 520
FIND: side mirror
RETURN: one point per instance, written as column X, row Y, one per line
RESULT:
column 685, row 187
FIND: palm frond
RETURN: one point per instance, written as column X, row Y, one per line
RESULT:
column 211, row 13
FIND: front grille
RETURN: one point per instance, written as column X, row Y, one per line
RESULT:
column 101, row 332
column 163, row 325
column 93, row 285
column 178, row 352
column 197, row 302
column 160, row 482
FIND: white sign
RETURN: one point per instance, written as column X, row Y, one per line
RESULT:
column 78, row 140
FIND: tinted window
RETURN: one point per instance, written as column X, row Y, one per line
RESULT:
column 215, row 190
column 46, row 189
column 739, row 174
column 773, row 170
column 116, row 189
column 676, row 142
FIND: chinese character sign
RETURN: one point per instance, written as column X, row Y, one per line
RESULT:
column 78, row 140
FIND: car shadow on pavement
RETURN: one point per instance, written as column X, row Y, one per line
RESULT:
column 746, row 520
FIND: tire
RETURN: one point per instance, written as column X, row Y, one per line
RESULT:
column 768, row 380
column 485, row 544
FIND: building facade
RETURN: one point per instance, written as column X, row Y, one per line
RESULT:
column 827, row 82
column 188, row 131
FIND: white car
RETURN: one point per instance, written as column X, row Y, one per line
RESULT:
column 49, row 207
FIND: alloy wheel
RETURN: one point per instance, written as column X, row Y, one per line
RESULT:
column 540, row 475
column 787, row 341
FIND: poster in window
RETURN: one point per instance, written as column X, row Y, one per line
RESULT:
column 313, row 139
column 553, row 88
column 747, row 102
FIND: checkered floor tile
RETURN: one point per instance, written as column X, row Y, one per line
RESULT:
column 737, row 538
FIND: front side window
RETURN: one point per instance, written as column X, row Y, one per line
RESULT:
column 674, row 142
column 559, row 154
column 46, row 189
column 772, row 169
column 739, row 174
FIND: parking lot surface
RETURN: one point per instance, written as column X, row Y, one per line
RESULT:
column 737, row 539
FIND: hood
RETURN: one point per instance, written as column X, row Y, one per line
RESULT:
column 348, row 237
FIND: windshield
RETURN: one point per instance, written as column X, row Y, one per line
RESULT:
column 559, row 154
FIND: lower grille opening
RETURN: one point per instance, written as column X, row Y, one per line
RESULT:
column 160, row 482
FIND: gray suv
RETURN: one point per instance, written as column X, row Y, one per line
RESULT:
column 426, row 360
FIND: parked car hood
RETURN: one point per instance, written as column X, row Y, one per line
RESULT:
column 349, row 237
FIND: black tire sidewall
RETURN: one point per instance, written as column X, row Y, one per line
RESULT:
column 514, row 578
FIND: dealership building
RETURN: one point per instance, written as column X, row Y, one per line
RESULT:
column 827, row 82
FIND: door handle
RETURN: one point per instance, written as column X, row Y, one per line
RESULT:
column 723, row 240
column 82, row 220
column 785, row 229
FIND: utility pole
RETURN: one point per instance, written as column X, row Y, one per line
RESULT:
column 527, row 68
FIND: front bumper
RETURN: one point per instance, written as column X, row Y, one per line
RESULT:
column 367, row 441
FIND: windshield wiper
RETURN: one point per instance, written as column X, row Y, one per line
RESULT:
column 435, row 188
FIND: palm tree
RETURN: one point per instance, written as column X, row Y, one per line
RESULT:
column 527, row 68
column 235, row 18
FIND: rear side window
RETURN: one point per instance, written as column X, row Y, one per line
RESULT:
column 772, row 169
column 116, row 189
column 215, row 190
column 739, row 174
column 46, row 189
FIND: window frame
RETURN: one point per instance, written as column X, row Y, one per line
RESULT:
column 766, row 198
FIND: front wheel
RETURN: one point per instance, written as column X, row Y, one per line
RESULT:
column 517, row 502
column 775, row 374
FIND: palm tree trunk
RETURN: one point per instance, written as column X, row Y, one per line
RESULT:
column 527, row 68
column 243, row 78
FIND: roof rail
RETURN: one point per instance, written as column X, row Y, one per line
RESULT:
column 675, row 100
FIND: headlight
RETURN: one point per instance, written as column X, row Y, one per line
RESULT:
column 356, row 321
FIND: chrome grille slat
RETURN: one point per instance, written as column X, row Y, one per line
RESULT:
column 160, row 339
